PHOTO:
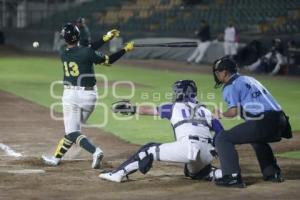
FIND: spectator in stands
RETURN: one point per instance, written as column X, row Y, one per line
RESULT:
column 204, row 35
column 230, row 40
column 85, row 35
column 271, row 62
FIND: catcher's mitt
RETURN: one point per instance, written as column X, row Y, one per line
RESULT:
column 123, row 107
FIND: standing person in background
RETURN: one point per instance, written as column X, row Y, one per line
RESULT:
column 58, row 41
column 204, row 34
column 85, row 35
column 230, row 42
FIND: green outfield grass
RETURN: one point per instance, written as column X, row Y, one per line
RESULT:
column 290, row 154
column 31, row 77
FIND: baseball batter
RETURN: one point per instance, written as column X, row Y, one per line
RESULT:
column 80, row 91
column 191, row 122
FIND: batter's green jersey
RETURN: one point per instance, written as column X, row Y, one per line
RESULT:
column 78, row 65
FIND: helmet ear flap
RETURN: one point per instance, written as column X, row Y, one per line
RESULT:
column 216, row 68
column 218, row 83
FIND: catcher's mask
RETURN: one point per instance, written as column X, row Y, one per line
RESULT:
column 70, row 33
column 224, row 63
column 184, row 90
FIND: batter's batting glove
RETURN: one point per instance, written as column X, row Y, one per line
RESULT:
column 111, row 34
column 123, row 107
column 129, row 46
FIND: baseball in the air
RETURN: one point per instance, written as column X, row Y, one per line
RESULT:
column 35, row 44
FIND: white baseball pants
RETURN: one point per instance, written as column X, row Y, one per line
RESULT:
column 78, row 105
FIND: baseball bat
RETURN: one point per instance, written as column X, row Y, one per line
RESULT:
column 169, row 44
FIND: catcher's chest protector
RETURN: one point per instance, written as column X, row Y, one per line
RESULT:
column 184, row 111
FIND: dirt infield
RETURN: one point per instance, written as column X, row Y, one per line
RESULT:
column 28, row 129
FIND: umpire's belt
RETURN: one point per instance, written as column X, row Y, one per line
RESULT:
column 72, row 87
column 206, row 140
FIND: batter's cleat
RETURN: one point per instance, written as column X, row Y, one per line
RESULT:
column 52, row 161
column 234, row 180
column 114, row 177
column 97, row 158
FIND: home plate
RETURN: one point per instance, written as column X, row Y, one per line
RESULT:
column 25, row 171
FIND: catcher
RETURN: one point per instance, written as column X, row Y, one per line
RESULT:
column 191, row 122
column 80, row 91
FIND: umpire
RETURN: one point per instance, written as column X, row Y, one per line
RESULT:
column 265, row 122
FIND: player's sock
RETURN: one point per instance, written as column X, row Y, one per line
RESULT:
column 86, row 144
column 82, row 141
column 63, row 146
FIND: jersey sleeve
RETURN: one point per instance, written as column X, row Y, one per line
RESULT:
column 97, row 57
column 217, row 126
column 165, row 111
column 231, row 96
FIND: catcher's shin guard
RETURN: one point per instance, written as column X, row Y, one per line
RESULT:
column 63, row 146
column 143, row 157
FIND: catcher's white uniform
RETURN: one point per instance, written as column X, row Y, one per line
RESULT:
column 192, row 124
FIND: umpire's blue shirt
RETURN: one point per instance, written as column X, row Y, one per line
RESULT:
column 249, row 95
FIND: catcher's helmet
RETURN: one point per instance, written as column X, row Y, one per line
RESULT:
column 184, row 90
column 224, row 63
column 70, row 33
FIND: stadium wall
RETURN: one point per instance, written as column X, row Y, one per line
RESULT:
column 24, row 38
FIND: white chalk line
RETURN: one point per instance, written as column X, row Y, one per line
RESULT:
column 24, row 171
column 9, row 151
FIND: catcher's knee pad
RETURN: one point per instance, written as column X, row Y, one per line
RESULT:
column 145, row 163
column 203, row 174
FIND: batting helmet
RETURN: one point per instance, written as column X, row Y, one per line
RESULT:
column 70, row 33
column 224, row 63
column 184, row 90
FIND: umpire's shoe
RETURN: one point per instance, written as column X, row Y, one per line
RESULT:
column 233, row 180
column 97, row 158
column 276, row 178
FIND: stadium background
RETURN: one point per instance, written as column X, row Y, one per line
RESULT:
column 26, row 74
